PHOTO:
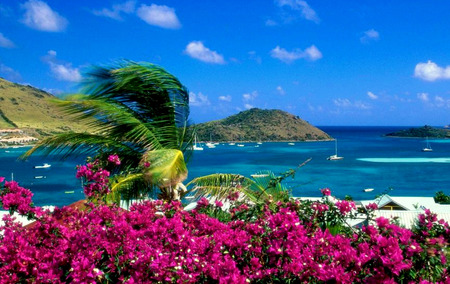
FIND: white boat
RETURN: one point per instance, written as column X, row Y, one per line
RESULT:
column 259, row 143
column 195, row 147
column 210, row 145
column 368, row 189
column 335, row 157
column 44, row 166
column 259, row 175
column 39, row 177
column 232, row 144
column 428, row 147
column 240, row 145
column 291, row 144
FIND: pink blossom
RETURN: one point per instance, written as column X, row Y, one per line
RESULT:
column 114, row 159
column 372, row 206
column 326, row 191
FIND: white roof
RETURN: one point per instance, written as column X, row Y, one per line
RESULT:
column 410, row 203
column 407, row 218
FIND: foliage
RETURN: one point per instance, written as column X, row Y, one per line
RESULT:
column 292, row 242
column 136, row 111
column 442, row 198
column 422, row 132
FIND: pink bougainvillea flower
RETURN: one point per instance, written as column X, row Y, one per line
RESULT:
column 326, row 191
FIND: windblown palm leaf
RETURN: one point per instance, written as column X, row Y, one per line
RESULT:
column 164, row 168
column 129, row 109
column 220, row 186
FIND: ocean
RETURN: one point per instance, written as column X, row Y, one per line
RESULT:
column 370, row 161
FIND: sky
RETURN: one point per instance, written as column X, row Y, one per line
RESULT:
column 368, row 63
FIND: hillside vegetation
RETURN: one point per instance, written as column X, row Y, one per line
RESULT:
column 422, row 132
column 31, row 109
column 259, row 125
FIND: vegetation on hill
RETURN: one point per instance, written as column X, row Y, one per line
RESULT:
column 259, row 125
column 31, row 109
column 422, row 132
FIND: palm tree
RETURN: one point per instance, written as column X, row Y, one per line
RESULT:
column 138, row 111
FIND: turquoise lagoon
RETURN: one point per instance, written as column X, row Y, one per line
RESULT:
column 370, row 161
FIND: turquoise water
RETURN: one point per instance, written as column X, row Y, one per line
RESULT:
column 370, row 161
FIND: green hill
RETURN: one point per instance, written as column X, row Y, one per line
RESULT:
column 422, row 132
column 29, row 108
column 259, row 125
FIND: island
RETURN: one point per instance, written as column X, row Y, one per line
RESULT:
column 259, row 125
column 421, row 132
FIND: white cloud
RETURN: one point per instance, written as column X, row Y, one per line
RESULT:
column 280, row 90
column 116, row 11
column 197, row 50
column 372, row 96
column 62, row 71
column 4, row 42
column 430, row 71
column 271, row 23
column 161, row 16
column 198, row 100
column 370, row 35
column 225, row 98
column 248, row 106
column 342, row 102
column 424, row 97
column 38, row 15
column 9, row 73
column 311, row 53
column 247, row 97
column 306, row 11
column 346, row 103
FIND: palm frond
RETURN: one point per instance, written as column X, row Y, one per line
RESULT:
column 127, row 187
column 221, row 186
column 113, row 120
column 79, row 144
column 146, row 88
column 164, row 168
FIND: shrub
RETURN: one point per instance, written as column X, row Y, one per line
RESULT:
column 292, row 242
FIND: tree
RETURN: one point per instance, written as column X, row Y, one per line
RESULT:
column 137, row 111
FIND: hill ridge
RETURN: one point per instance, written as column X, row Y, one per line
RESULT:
column 259, row 125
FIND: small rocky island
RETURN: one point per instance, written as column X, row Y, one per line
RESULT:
column 422, row 132
column 259, row 125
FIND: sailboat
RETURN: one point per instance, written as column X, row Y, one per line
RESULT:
column 335, row 157
column 210, row 144
column 428, row 147
column 195, row 147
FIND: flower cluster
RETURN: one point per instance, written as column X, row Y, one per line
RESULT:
column 114, row 159
column 326, row 191
column 95, row 179
column 16, row 198
column 157, row 242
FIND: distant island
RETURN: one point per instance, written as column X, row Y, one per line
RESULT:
column 422, row 132
column 259, row 125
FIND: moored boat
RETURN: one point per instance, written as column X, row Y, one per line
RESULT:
column 44, row 166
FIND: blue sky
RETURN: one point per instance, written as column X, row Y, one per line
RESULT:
column 329, row 62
